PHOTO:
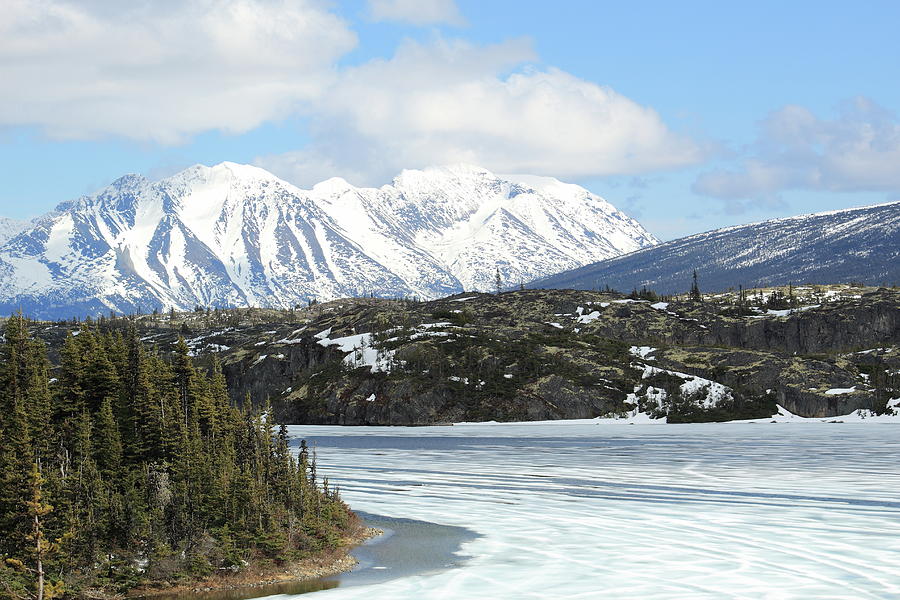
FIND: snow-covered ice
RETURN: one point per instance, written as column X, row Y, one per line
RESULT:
column 589, row 509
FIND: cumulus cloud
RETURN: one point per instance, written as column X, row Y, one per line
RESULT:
column 162, row 70
column 451, row 101
column 416, row 12
column 857, row 151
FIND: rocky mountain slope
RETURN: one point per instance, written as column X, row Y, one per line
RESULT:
column 854, row 245
column 11, row 227
column 551, row 354
column 236, row 235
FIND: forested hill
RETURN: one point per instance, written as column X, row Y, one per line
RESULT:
column 818, row 351
column 130, row 467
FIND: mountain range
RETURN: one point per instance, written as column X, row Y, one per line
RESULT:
column 237, row 235
column 853, row 245
column 11, row 227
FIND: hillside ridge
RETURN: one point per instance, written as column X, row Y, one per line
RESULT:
column 850, row 245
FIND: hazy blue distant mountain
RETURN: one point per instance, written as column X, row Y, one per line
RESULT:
column 857, row 244
column 236, row 235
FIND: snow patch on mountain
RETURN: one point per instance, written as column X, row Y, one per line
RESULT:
column 233, row 235
column 11, row 227
column 850, row 245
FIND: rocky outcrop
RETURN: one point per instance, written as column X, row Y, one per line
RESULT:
column 801, row 385
column 546, row 354
column 852, row 324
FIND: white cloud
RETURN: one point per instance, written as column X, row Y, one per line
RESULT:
column 858, row 151
column 163, row 70
column 451, row 102
column 416, row 12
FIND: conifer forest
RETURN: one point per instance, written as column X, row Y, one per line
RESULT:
column 122, row 465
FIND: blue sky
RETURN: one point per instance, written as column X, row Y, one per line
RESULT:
column 689, row 116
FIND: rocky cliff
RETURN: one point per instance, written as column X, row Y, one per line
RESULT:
column 552, row 354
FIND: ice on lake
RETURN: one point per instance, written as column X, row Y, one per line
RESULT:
column 588, row 510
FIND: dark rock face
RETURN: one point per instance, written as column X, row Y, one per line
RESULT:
column 832, row 329
column 268, row 378
column 558, row 398
column 843, row 327
column 799, row 385
column 379, row 402
column 400, row 404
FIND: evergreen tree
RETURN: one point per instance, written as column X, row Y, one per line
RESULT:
column 141, row 456
column 16, row 451
column 41, row 547
column 108, row 441
column 695, row 294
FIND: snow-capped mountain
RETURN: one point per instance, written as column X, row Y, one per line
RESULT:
column 852, row 245
column 11, row 227
column 236, row 235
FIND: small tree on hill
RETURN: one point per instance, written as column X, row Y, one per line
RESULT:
column 695, row 294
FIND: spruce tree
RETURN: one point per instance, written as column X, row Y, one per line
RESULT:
column 141, row 452
column 16, row 451
column 695, row 294
column 107, row 441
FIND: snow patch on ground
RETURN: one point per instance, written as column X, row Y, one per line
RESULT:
column 360, row 352
column 705, row 393
column 838, row 391
column 586, row 318
column 434, row 325
column 642, row 351
column 858, row 416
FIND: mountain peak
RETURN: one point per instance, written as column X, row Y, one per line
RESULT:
column 225, row 235
column 543, row 183
column 241, row 169
column 11, row 227
column 440, row 172
column 332, row 186
column 129, row 180
column 228, row 169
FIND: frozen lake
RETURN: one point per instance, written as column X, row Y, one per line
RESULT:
column 588, row 510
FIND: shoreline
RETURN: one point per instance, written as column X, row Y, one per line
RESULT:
column 333, row 562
